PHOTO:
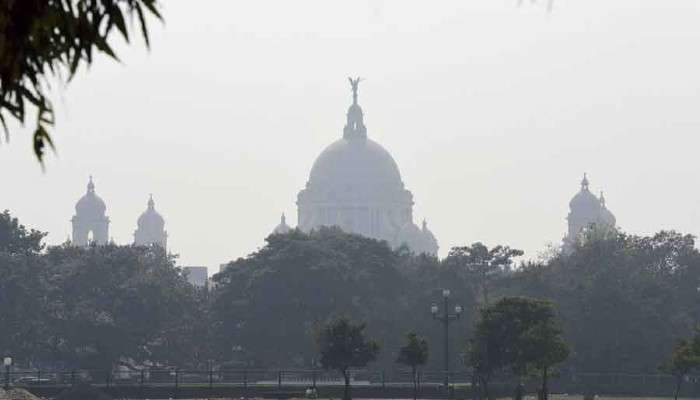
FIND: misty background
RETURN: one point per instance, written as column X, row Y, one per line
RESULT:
column 493, row 112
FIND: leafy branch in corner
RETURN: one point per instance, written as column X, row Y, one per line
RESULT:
column 43, row 38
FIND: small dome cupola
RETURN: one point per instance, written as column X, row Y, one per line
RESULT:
column 90, row 204
column 151, row 219
column 150, row 227
column 282, row 228
column 584, row 201
column 90, row 224
column 355, row 125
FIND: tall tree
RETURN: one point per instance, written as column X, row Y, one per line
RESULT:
column 270, row 302
column 518, row 334
column 414, row 354
column 545, row 348
column 342, row 345
column 482, row 263
column 111, row 303
column 41, row 39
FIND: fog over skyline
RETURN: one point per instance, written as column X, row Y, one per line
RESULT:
column 492, row 112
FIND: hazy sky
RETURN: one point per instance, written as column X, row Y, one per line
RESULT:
column 492, row 111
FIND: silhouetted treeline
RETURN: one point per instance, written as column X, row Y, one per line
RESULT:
column 623, row 300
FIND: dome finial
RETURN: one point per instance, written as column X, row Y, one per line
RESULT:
column 354, row 84
column 151, row 203
column 355, row 126
column 425, row 225
column 584, row 182
column 602, row 199
column 283, row 219
column 91, row 185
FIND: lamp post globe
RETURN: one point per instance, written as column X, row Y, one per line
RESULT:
column 446, row 293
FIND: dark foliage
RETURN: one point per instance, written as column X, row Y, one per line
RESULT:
column 42, row 39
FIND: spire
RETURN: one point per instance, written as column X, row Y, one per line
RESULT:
column 91, row 186
column 355, row 125
column 283, row 220
column 151, row 203
column 584, row 182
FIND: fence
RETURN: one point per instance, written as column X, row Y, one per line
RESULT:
column 460, row 382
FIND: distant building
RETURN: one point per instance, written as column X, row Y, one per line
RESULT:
column 90, row 224
column 151, row 228
column 585, row 211
column 196, row 276
column 355, row 184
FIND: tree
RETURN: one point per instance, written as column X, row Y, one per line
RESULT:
column 483, row 263
column 684, row 359
column 342, row 345
column 517, row 334
column 545, row 347
column 16, row 239
column 270, row 302
column 623, row 299
column 41, row 39
column 114, row 303
column 23, row 281
column 413, row 354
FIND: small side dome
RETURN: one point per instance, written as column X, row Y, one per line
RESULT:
column 584, row 200
column 282, row 228
column 90, row 205
column 419, row 241
column 151, row 219
column 606, row 216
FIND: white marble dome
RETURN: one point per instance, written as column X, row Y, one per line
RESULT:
column 355, row 184
column 90, row 205
column 355, row 161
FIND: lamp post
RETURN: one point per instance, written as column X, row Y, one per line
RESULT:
column 446, row 318
column 7, row 362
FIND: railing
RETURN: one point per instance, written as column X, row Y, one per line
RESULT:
column 298, row 380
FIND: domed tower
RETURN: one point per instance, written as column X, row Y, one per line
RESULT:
column 90, row 219
column 282, row 227
column 151, row 228
column 356, row 185
column 586, row 210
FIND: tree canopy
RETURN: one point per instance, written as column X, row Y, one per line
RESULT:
column 342, row 345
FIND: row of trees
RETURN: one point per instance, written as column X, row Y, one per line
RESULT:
column 516, row 334
column 623, row 301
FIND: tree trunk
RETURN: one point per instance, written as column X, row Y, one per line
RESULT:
column 519, row 391
column 485, row 388
column 346, row 391
column 545, row 389
column 679, row 382
column 415, row 382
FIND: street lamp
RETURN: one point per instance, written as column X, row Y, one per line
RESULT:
column 446, row 318
column 7, row 362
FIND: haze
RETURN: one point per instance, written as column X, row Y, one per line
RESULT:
column 493, row 112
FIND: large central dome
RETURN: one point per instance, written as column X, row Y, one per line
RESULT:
column 356, row 185
column 355, row 162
